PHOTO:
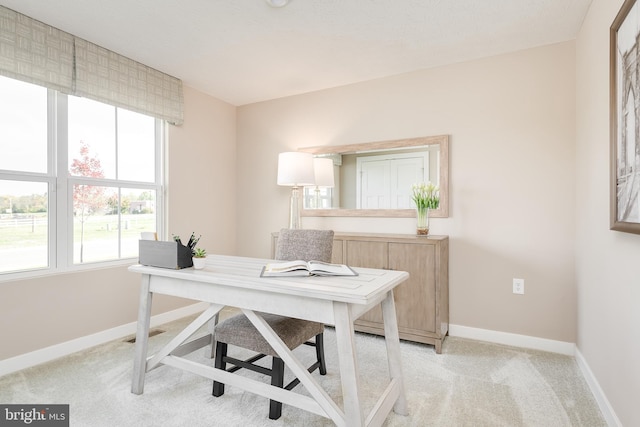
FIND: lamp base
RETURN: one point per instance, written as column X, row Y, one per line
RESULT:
column 294, row 208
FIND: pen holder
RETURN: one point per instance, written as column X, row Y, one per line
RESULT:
column 164, row 254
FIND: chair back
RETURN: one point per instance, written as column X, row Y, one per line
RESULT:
column 306, row 245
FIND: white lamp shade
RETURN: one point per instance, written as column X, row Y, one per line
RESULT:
column 295, row 169
column 323, row 169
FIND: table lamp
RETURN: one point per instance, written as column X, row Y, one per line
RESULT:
column 295, row 169
column 323, row 170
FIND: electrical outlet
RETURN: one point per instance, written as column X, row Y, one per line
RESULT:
column 518, row 286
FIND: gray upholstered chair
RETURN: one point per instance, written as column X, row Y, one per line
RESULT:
column 239, row 331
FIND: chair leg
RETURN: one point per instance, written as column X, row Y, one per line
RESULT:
column 320, row 353
column 277, row 379
column 221, row 353
column 277, row 372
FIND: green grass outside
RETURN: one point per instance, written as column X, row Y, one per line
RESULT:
column 95, row 228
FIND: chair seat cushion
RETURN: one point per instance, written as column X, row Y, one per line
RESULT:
column 239, row 331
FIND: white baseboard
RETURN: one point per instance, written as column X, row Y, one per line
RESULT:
column 605, row 407
column 515, row 340
column 47, row 354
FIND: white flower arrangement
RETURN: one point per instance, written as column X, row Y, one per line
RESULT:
column 426, row 196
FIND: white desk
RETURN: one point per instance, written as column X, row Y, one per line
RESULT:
column 235, row 281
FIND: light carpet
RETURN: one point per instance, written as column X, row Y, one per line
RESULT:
column 471, row 383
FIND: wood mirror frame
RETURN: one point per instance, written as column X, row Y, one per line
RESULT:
column 441, row 140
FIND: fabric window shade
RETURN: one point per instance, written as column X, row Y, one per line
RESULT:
column 108, row 77
column 37, row 53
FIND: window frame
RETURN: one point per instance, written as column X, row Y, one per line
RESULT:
column 60, row 193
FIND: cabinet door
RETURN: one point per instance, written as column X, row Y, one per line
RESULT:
column 367, row 254
column 415, row 298
column 372, row 255
column 336, row 252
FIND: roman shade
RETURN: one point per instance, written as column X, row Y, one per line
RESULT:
column 108, row 77
column 37, row 53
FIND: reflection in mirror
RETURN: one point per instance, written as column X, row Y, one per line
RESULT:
column 320, row 196
column 375, row 179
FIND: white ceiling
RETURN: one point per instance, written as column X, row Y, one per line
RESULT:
column 244, row 51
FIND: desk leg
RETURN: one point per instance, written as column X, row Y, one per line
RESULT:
column 210, row 351
column 142, row 336
column 348, row 365
column 392, row 339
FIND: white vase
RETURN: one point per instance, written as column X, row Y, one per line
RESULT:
column 199, row 263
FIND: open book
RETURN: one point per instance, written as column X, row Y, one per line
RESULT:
column 304, row 268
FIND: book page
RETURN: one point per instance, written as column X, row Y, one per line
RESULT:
column 302, row 268
column 324, row 268
column 287, row 268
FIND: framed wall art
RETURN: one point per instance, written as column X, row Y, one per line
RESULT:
column 625, row 119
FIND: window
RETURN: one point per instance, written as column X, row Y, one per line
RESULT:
column 318, row 197
column 79, row 180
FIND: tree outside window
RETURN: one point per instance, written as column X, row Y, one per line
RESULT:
column 87, row 199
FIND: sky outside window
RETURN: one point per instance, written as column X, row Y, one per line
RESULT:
column 23, row 126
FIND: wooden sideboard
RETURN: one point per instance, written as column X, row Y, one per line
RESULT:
column 422, row 302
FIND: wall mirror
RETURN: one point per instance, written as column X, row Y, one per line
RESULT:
column 375, row 178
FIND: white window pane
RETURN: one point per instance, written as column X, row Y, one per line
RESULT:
column 23, row 225
column 139, row 214
column 23, row 126
column 136, row 146
column 95, row 234
column 93, row 124
column 108, row 223
column 86, row 163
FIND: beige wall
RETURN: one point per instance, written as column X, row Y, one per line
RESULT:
column 511, row 120
column 202, row 173
column 37, row 313
column 607, row 262
column 529, row 142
